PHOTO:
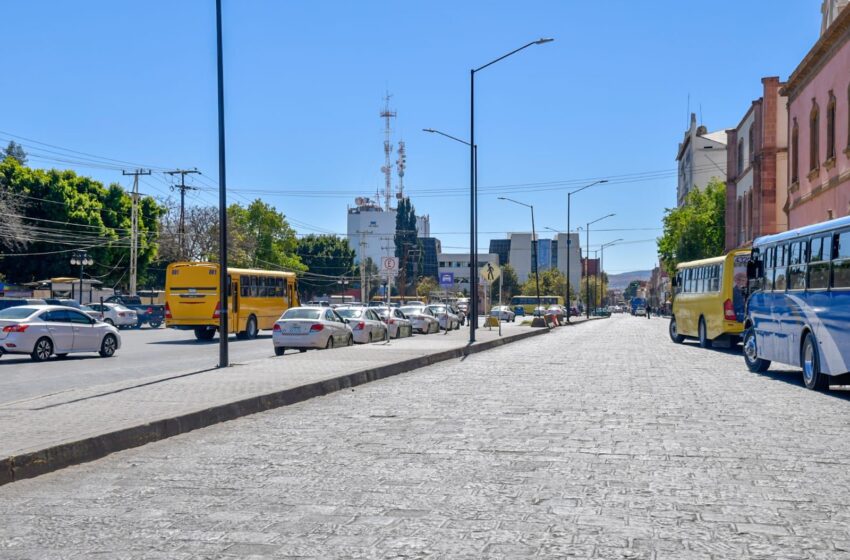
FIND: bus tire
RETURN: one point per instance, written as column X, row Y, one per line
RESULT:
column 754, row 363
column 203, row 333
column 704, row 341
column 809, row 360
column 674, row 331
column 251, row 329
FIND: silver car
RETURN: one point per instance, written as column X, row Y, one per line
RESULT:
column 114, row 314
column 364, row 323
column 44, row 330
column 503, row 312
column 310, row 327
column 448, row 319
column 397, row 324
column 422, row 318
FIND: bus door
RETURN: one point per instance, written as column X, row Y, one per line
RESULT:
column 235, row 285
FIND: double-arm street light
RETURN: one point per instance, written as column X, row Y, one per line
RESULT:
column 569, row 240
column 473, row 187
column 81, row 258
column 223, row 283
column 602, row 264
column 587, row 268
column 535, row 265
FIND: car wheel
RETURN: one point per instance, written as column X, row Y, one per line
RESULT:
column 674, row 331
column 812, row 376
column 350, row 340
column 42, row 350
column 154, row 324
column 330, row 344
column 704, row 341
column 108, row 346
column 279, row 350
column 371, row 339
column 109, row 322
column 754, row 363
column 302, row 350
column 398, row 332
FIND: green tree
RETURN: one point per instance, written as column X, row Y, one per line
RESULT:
column 65, row 211
column 697, row 229
column 327, row 258
column 407, row 246
column 15, row 151
column 263, row 237
column 597, row 290
column 426, row 285
column 552, row 283
column 509, row 282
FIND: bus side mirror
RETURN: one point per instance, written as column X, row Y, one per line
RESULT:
column 753, row 269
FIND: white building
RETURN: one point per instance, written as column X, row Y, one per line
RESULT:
column 552, row 253
column 458, row 264
column 370, row 224
column 701, row 156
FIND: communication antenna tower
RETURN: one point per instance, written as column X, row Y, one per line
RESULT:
column 387, row 168
column 401, row 165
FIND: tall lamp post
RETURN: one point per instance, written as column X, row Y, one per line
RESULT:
column 602, row 262
column 81, row 258
column 473, row 187
column 587, row 269
column 223, row 284
column 569, row 240
column 534, row 262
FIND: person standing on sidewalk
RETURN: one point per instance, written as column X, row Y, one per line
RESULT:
column 648, row 311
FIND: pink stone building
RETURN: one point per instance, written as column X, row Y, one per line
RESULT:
column 818, row 95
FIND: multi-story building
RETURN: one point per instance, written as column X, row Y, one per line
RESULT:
column 551, row 253
column 756, row 170
column 501, row 247
column 371, row 230
column 818, row 94
column 430, row 249
column 458, row 264
column 589, row 267
column 701, row 156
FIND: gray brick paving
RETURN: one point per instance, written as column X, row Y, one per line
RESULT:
column 605, row 441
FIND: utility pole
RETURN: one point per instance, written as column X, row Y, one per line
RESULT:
column 183, row 188
column 134, row 227
column 363, row 291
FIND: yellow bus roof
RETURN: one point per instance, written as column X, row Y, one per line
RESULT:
column 712, row 260
column 230, row 270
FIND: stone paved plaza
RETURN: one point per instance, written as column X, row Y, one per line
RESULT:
column 604, row 440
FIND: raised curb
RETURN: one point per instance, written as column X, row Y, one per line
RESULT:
column 29, row 465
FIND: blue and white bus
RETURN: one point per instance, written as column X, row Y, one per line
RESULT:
column 798, row 310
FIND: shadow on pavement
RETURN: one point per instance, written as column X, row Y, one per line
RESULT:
column 195, row 342
column 795, row 377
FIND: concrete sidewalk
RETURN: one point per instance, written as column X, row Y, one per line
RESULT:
column 54, row 431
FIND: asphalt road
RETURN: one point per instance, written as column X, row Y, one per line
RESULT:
column 143, row 353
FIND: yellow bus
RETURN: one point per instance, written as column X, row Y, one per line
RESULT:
column 709, row 299
column 529, row 303
column 256, row 298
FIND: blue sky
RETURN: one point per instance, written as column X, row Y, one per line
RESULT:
column 135, row 81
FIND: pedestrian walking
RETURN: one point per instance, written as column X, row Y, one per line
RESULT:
column 648, row 311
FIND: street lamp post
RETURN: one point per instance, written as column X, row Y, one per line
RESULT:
column 569, row 240
column 534, row 262
column 81, row 258
column 473, row 187
column 587, row 268
column 223, row 284
column 602, row 262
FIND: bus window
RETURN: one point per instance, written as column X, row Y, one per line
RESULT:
column 797, row 270
column 841, row 261
column 818, row 272
column 244, row 288
column 769, row 264
column 779, row 281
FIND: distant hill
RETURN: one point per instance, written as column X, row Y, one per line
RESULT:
column 622, row 280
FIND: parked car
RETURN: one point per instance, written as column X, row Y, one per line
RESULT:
column 540, row 311
column 146, row 313
column 44, row 330
column 447, row 319
column 640, row 311
column 115, row 314
column 422, row 318
column 461, row 313
column 397, row 324
column 7, row 302
column 519, row 311
column 574, row 312
column 557, row 311
column 364, row 323
column 310, row 327
column 503, row 312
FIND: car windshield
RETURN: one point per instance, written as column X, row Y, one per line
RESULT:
column 437, row 308
column 17, row 312
column 411, row 310
column 302, row 313
column 350, row 313
column 382, row 311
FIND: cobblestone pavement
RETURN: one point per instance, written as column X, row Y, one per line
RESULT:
column 605, row 441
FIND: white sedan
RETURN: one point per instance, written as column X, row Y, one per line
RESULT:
column 448, row 320
column 397, row 324
column 310, row 327
column 364, row 323
column 422, row 318
column 113, row 313
column 503, row 312
column 44, row 330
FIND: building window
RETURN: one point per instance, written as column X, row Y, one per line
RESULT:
column 814, row 125
column 750, row 215
column 795, row 153
column 740, row 156
column 830, row 127
column 752, row 141
column 848, row 120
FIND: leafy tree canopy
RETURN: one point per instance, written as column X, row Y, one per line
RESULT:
column 16, row 152
column 697, row 229
column 328, row 258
